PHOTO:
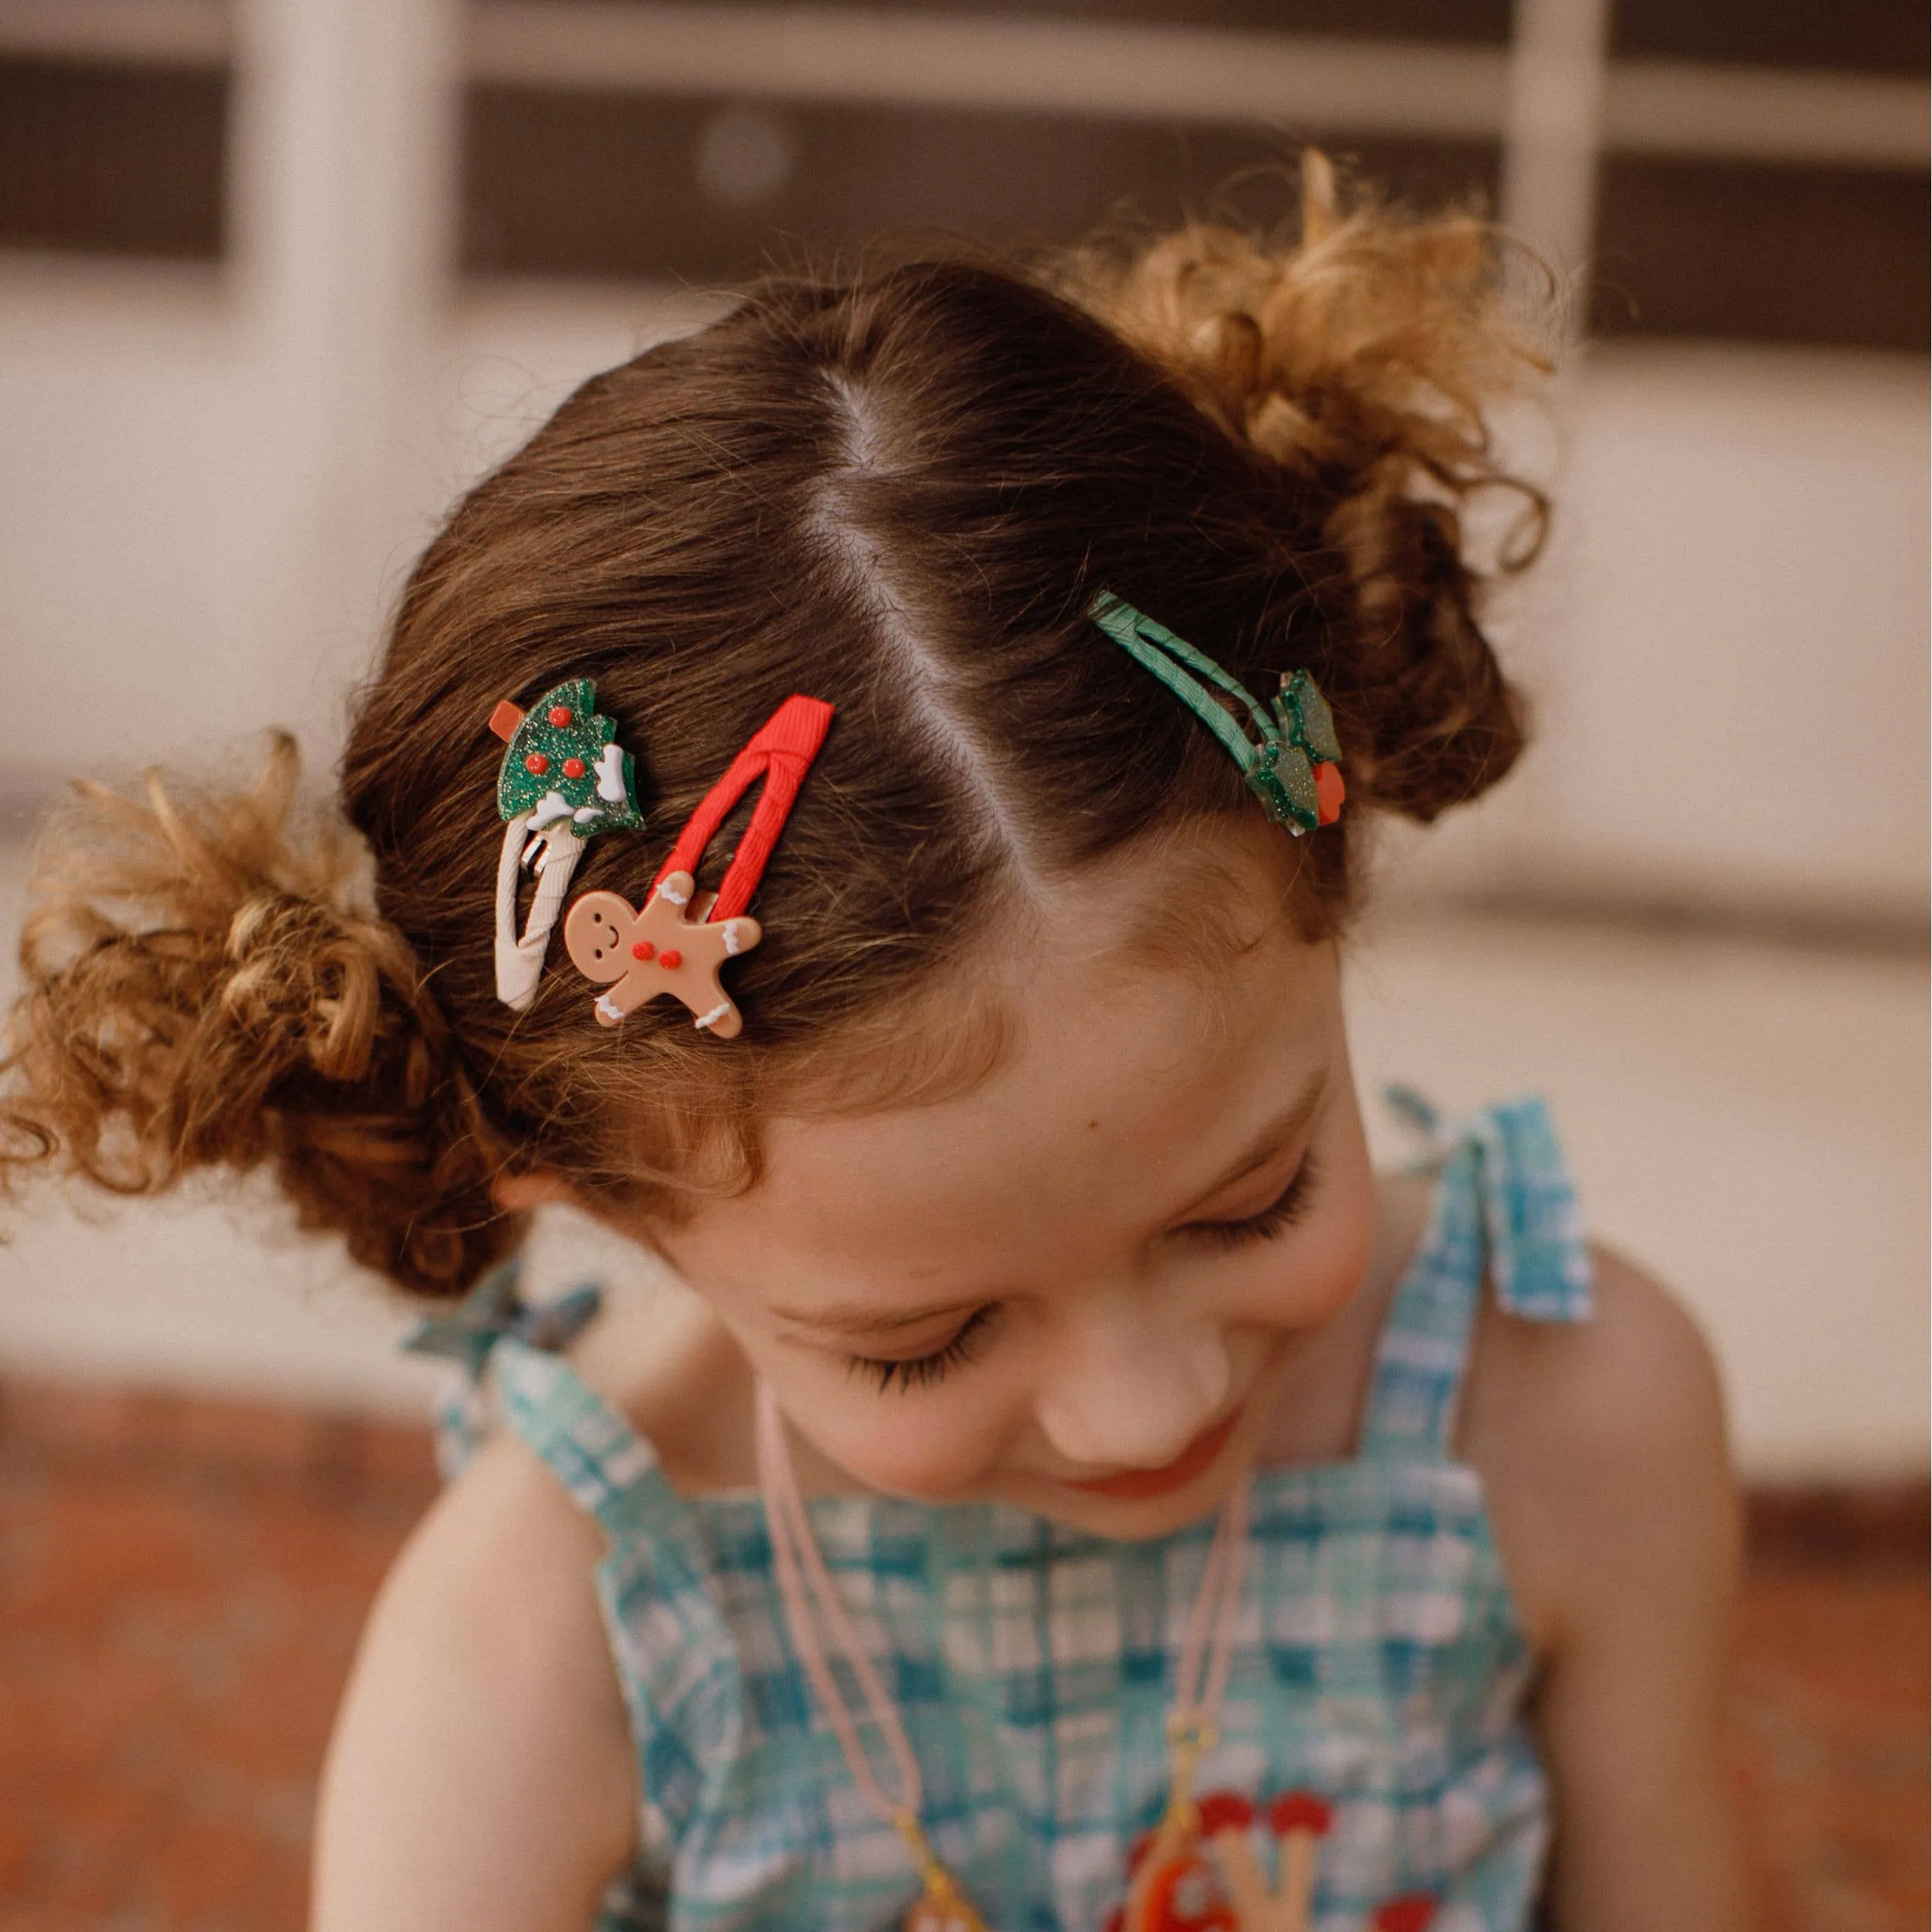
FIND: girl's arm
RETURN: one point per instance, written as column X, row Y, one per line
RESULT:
column 482, row 1774
column 1604, row 1448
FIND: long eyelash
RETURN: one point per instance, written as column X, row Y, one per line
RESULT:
column 1276, row 1218
column 922, row 1371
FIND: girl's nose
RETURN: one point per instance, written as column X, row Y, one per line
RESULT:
column 1126, row 1394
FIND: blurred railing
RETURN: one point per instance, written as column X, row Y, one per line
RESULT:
column 1552, row 94
column 416, row 223
column 395, row 227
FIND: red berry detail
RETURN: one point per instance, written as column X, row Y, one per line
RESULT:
column 572, row 767
column 1298, row 1811
column 1225, row 1810
column 1414, row 1913
column 671, row 959
column 560, row 715
column 643, row 949
column 1329, row 793
column 536, row 763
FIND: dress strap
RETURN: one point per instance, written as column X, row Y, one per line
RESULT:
column 492, row 1311
column 609, row 1470
column 515, row 1371
column 1503, row 1208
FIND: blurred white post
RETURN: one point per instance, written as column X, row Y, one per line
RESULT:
column 344, row 189
column 1552, row 128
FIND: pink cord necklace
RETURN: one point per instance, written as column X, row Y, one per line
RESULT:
column 806, row 1589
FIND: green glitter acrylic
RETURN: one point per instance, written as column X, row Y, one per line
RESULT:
column 564, row 779
column 1295, row 768
column 562, row 747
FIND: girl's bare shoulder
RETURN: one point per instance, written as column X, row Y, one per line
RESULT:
column 1593, row 1437
column 481, row 1767
column 1602, row 1444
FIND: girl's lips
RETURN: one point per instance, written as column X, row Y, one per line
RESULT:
column 1136, row 1485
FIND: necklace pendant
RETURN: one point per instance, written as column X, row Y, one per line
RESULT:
column 1174, row 1888
column 1199, row 1870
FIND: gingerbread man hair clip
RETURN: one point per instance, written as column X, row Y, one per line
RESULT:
column 679, row 942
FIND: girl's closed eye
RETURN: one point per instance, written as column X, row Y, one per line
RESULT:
column 921, row 1371
column 1281, row 1213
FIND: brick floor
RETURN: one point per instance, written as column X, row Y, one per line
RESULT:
column 181, row 1583
column 1829, row 1746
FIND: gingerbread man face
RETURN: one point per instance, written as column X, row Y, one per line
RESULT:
column 659, row 950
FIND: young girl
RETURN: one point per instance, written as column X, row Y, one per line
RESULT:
column 1069, row 1490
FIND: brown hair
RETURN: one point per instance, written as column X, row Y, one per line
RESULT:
column 898, row 491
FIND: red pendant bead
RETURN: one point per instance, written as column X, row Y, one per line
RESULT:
column 1414, row 1912
column 537, row 763
column 572, row 767
column 671, row 959
column 560, row 715
column 1225, row 1811
column 643, row 949
column 1300, row 1811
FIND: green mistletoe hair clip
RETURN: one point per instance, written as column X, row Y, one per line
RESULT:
column 1287, row 751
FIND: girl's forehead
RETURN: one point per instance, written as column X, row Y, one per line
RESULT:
column 1131, row 1084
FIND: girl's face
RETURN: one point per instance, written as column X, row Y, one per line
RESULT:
column 1076, row 1287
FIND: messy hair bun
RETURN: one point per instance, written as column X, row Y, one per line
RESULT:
column 1363, row 358
column 207, row 985
column 898, row 490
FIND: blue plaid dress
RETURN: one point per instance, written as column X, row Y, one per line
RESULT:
column 1377, row 1661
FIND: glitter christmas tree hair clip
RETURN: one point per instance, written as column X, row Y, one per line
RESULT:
column 679, row 943
column 564, row 779
column 1295, row 768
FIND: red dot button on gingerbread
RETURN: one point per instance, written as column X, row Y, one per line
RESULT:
column 658, row 951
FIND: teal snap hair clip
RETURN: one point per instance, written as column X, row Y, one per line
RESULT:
column 1287, row 751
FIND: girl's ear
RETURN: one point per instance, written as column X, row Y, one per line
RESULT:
column 517, row 1194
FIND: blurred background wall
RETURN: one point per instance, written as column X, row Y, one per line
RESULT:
column 278, row 276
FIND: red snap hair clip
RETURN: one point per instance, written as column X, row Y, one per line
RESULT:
column 677, row 947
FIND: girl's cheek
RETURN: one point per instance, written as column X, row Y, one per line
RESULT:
column 1313, row 1272
column 935, row 1445
column 1338, row 1239
column 1339, row 1258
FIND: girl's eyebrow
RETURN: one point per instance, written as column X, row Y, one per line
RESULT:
column 860, row 1318
column 1270, row 1142
column 868, row 1319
